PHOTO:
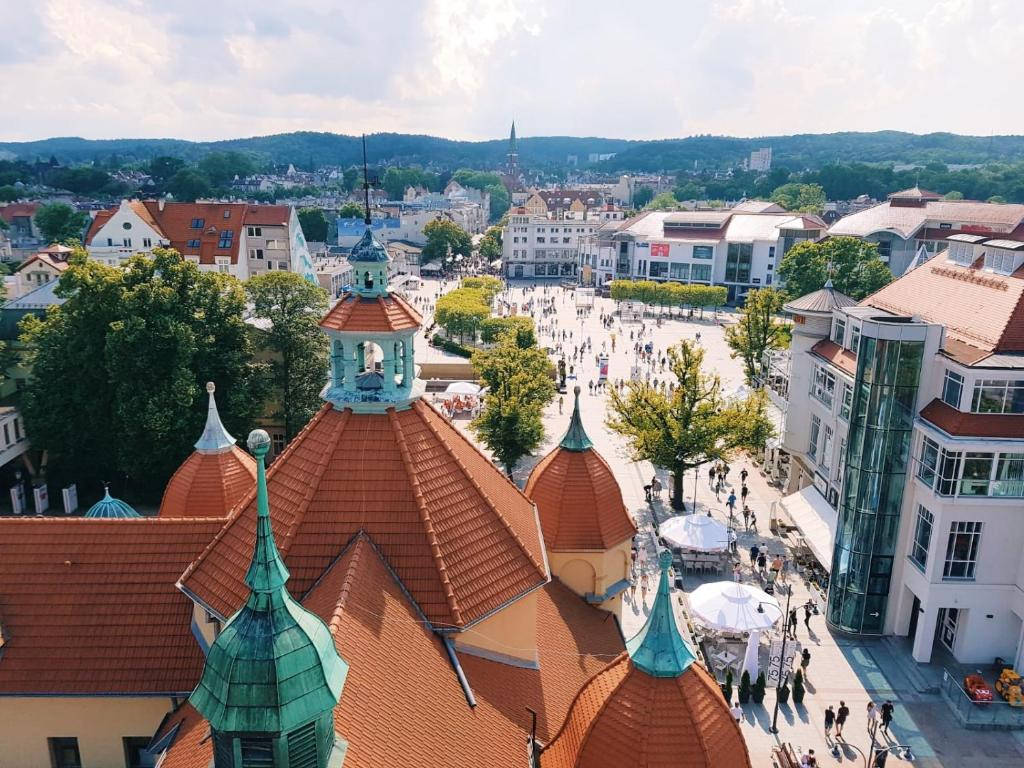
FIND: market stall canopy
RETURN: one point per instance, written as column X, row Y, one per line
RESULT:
column 816, row 520
column 733, row 607
column 462, row 388
column 696, row 532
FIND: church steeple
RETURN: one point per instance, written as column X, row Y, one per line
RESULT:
column 576, row 438
column 215, row 439
column 273, row 676
column 658, row 648
column 512, row 157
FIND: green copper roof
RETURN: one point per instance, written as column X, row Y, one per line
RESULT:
column 108, row 506
column 658, row 648
column 368, row 249
column 215, row 438
column 576, row 438
column 274, row 666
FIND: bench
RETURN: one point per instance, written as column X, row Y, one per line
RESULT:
column 784, row 756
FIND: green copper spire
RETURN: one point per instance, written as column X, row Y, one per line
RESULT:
column 108, row 506
column 658, row 648
column 576, row 437
column 274, row 667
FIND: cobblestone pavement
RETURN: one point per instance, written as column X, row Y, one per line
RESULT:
column 841, row 668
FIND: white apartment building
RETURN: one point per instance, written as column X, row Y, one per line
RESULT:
column 905, row 438
column 761, row 160
column 739, row 247
column 536, row 246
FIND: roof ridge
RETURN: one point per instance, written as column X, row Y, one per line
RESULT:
column 424, row 513
column 483, row 494
column 346, row 583
column 596, row 455
column 1015, row 315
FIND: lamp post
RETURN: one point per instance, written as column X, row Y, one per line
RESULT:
column 782, row 656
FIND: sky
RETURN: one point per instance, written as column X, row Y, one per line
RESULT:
column 644, row 69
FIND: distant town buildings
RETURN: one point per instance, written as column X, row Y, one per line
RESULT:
column 760, row 160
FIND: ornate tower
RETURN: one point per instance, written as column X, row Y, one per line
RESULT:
column 273, row 676
column 512, row 163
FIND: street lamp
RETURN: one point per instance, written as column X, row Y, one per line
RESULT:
column 782, row 656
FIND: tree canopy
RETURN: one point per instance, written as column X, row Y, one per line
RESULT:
column 188, row 185
column 856, row 269
column 442, row 233
column 664, row 201
column 642, row 197
column 490, row 245
column 129, row 353
column 690, row 426
column 313, row 223
column 800, row 198
column 669, row 294
column 396, row 180
column 60, row 223
column 757, row 330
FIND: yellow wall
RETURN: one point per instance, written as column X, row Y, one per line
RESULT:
column 208, row 629
column 608, row 566
column 512, row 631
column 98, row 723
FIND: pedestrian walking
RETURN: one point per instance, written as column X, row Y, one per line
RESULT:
column 753, row 521
column 746, row 517
column 743, row 475
column 805, row 661
column 841, row 714
column 830, row 721
column 784, row 573
column 731, row 503
column 561, row 403
column 718, row 488
column 754, row 550
column 736, row 711
column 762, row 562
column 808, row 610
column 792, row 623
column 743, row 492
column 643, row 586
column 736, row 573
column 872, row 718
column 886, row 716
column 776, row 565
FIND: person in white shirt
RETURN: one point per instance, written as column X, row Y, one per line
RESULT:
column 736, row 712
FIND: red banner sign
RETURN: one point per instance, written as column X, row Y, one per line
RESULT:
column 659, row 249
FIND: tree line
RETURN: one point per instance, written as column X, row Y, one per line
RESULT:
column 669, row 294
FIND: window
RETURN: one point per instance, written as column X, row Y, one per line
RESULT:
column 768, row 280
column 977, row 474
column 847, row 403
column 147, row 242
column 198, row 223
column 7, row 434
column 277, row 438
column 823, row 388
column 962, row 550
column 839, row 330
column 110, row 242
column 1009, row 478
column 997, row 260
column 998, row 396
column 737, row 262
column 928, row 461
column 826, row 451
column 855, row 339
column 226, row 236
column 255, row 253
column 257, row 753
column 812, row 444
column 17, row 429
column 127, row 242
column 193, row 243
column 127, row 225
column 922, row 537
column 283, row 265
column 960, row 253
column 700, row 273
column 884, row 250
column 64, row 752
column 948, row 472
column 952, row 387
column 679, row 271
column 658, row 269
column 703, row 252
column 771, row 252
column 223, row 265
column 541, row 240
column 135, row 753
column 255, row 231
column 227, row 213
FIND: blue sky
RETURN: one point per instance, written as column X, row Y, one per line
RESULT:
column 209, row 69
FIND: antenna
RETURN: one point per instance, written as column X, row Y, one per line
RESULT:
column 366, row 185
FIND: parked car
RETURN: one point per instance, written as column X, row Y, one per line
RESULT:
column 977, row 689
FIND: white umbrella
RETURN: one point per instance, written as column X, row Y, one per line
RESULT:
column 750, row 660
column 462, row 388
column 733, row 607
column 698, row 532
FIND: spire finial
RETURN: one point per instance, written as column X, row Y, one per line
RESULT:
column 366, row 185
column 267, row 572
column 576, row 438
column 215, row 438
column 658, row 648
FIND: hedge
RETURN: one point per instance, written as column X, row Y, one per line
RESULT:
column 669, row 294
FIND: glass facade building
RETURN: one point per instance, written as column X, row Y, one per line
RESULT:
column 877, row 460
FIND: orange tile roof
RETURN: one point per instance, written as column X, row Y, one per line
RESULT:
column 461, row 537
column 209, row 484
column 954, row 422
column 843, row 359
column 101, row 218
column 625, row 718
column 10, row 211
column 980, row 308
column 88, row 606
column 579, row 502
column 268, row 215
column 373, row 315
column 399, row 673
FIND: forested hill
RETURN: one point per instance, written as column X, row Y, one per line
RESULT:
column 696, row 152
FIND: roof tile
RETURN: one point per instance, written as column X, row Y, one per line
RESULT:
column 371, row 315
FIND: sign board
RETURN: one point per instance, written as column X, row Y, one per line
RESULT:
column 42, row 498
column 775, row 655
column 659, row 249
column 18, row 498
column 70, row 495
column 602, row 370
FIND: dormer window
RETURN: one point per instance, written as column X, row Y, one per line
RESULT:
column 198, row 223
column 839, row 330
column 368, row 281
column 999, row 260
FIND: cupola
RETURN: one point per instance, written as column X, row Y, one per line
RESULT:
column 273, row 676
column 108, row 506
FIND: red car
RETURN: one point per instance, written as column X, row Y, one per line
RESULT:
column 977, row 689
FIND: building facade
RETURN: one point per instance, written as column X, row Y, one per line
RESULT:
column 536, row 246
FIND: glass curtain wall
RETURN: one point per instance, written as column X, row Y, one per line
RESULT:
column 878, row 450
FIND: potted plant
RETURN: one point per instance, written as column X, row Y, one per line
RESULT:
column 783, row 691
column 727, row 687
column 798, row 687
column 744, row 693
column 757, row 692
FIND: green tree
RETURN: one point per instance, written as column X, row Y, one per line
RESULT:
column 490, row 245
column 642, row 197
column 221, row 167
column 351, row 211
column 664, row 201
column 953, row 195
column 442, row 233
column 688, row 190
column 519, row 384
column 349, row 179
column 462, row 311
column 188, row 185
column 313, row 223
column 804, row 198
column 9, row 192
column 130, row 351
column 757, row 330
column 59, row 222
column 690, row 426
column 163, row 168
column 855, row 269
column 999, row 199
column 293, row 307
column 500, row 200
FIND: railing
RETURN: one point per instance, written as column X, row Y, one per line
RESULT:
column 995, row 714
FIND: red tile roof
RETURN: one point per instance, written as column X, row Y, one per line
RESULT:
column 579, row 502
column 371, row 315
column 954, row 422
column 625, row 718
column 400, row 674
column 209, row 484
column 88, row 606
column 101, row 218
column 44, row 258
column 980, row 308
column 268, row 215
column 461, row 537
column 9, row 212
column 843, row 359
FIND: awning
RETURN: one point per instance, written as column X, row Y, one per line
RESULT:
column 815, row 519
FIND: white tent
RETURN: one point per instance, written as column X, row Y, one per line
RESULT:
column 697, row 532
column 462, row 388
column 733, row 607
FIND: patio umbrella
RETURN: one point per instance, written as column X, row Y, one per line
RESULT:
column 697, row 532
column 732, row 607
column 750, row 660
column 462, row 388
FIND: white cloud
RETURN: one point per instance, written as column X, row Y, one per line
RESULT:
column 465, row 68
